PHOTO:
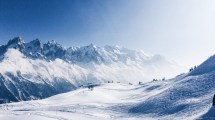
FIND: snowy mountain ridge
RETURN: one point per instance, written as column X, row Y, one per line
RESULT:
column 28, row 70
column 90, row 53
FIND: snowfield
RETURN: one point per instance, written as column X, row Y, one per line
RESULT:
column 103, row 102
column 165, row 100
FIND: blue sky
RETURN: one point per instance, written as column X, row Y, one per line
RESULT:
column 181, row 30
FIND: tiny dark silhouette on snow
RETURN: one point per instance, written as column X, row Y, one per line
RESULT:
column 191, row 69
column 214, row 100
column 90, row 87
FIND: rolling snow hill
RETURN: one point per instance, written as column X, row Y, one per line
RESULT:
column 184, row 97
column 36, row 70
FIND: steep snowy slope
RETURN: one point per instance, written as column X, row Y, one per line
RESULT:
column 188, row 97
column 36, row 70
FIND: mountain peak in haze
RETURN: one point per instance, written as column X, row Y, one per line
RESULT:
column 86, row 54
column 37, row 67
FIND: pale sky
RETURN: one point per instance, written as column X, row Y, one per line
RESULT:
column 180, row 30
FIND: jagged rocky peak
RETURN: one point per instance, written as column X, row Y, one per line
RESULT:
column 53, row 43
column 34, row 48
column 36, row 42
column 16, row 43
column 16, row 40
column 53, row 46
column 53, row 50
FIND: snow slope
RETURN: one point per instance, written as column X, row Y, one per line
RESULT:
column 117, row 101
column 108, row 101
column 188, row 96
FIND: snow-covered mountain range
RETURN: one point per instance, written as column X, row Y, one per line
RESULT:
column 37, row 70
column 186, row 97
column 50, row 69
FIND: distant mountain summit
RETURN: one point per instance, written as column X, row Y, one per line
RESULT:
column 36, row 70
column 91, row 53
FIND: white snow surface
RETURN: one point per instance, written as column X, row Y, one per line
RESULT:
column 119, row 101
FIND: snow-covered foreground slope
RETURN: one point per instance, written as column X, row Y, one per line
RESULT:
column 35, row 70
column 103, row 102
column 108, row 101
column 180, row 98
